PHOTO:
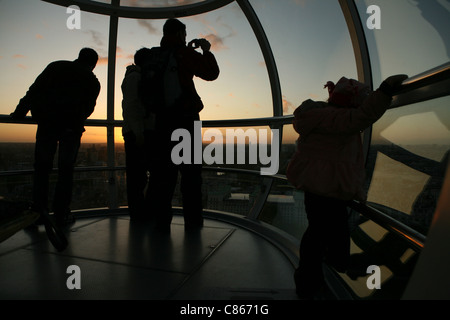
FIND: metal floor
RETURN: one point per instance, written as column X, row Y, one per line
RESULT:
column 120, row 260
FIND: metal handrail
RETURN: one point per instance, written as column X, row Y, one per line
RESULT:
column 76, row 169
column 423, row 79
column 415, row 238
column 431, row 84
column 263, row 121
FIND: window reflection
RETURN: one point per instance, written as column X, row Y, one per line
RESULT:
column 374, row 245
column 413, row 37
column 308, row 51
column 408, row 158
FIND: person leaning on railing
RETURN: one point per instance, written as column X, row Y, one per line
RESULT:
column 328, row 166
column 61, row 98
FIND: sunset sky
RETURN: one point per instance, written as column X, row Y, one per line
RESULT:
column 309, row 39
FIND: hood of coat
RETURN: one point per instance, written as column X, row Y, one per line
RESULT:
column 308, row 115
column 132, row 68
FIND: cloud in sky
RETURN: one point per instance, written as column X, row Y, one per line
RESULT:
column 147, row 24
column 120, row 54
column 102, row 61
column 216, row 38
column 287, row 105
column 97, row 37
column 314, row 96
column 217, row 42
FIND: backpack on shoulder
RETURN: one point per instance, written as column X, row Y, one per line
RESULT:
column 161, row 90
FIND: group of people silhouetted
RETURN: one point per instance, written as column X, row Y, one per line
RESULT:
column 159, row 96
column 61, row 98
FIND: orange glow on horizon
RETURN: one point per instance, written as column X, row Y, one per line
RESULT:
column 25, row 133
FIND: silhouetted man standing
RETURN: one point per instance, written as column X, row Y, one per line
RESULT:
column 172, row 96
column 62, row 97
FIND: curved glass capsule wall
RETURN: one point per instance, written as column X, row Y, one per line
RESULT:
column 273, row 55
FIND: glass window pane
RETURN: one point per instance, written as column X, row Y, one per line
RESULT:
column 373, row 245
column 14, row 133
column 227, row 191
column 90, row 190
column 17, row 147
column 119, row 148
column 288, row 147
column 93, row 151
column 413, row 36
column 246, row 148
column 285, row 209
column 17, row 150
column 35, row 33
column 94, row 135
column 311, row 45
column 242, row 89
column 408, row 156
column 16, row 187
column 132, row 35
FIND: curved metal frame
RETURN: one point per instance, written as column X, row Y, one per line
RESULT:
column 268, row 56
column 361, row 52
column 115, row 9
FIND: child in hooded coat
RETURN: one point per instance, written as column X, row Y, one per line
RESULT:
column 329, row 167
